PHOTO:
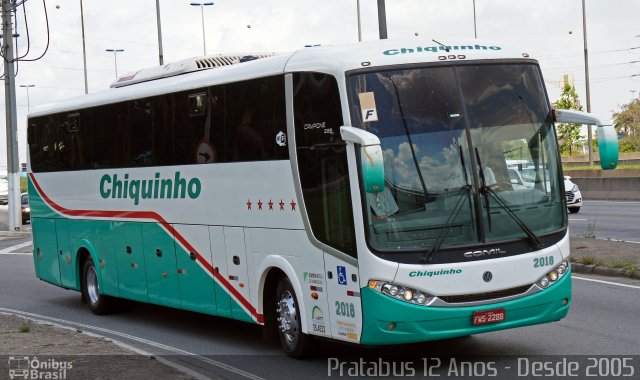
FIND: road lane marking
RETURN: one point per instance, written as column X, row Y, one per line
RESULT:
column 626, row 241
column 621, row 202
column 14, row 247
column 606, row 282
column 151, row 343
column 577, row 219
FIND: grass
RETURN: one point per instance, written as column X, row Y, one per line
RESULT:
column 591, row 229
column 24, row 328
column 597, row 167
column 591, row 260
column 626, row 265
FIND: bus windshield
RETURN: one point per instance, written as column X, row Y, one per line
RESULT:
column 451, row 137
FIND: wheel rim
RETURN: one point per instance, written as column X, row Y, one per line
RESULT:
column 287, row 317
column 92, row 285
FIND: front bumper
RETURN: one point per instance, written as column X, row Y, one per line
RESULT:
column 415, row 323
column 574, row 199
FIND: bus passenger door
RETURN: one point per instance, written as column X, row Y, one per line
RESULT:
column 132, row 279
column 197, row 291
column 219, row 262
column 345, row 308
column 160, row 260
column 65, row 259
column 46, row 250
column 238, row 276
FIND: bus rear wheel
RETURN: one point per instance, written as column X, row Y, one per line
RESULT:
column 99, row 304
column 294, row 342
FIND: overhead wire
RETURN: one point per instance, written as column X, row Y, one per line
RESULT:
column 46, row 17
column 26, row 27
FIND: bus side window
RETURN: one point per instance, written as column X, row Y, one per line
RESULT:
column 193, row 124
column 322, row 160
column 74, row 141
column 43, row 131
column 255, row 115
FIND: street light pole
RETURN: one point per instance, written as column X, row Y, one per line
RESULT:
column 382, row 20
column 586, row 77
column 359, row 24
column 160, row 53
column 202, row 5
column 27, row 86
column 84, row 50
column 115, row 57
column 475, row 30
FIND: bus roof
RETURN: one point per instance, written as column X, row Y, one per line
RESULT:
column 335, row 60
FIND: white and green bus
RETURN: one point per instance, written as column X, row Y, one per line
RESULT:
column 358, row 193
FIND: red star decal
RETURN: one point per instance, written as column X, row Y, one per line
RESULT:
column 293, row 205
column 249, row 204
column 270, row 205
column 259, row 204
column 281, row 205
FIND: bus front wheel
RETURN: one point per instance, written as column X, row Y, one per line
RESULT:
column 295, row 343
column 99, row 304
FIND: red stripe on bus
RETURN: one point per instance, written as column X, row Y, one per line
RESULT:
column 170, row 229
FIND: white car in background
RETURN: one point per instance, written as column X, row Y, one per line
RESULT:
column 4, row 190
column 574, row 197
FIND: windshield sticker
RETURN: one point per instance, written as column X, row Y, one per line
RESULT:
column 368, row 106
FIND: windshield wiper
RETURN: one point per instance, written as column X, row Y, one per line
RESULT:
column 427, row 197
column 452, row 216
column 444, row 231
column 533, row 238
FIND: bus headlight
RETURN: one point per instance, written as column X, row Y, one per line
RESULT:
column 553, row 275
column 400, row 292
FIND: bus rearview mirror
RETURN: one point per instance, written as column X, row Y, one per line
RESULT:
column 607, row 136
column 608, row 147
column 372, row 168
column 370, row 157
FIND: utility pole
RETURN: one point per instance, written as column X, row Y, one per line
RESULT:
column 13, row 164
column 382, row 20
column 586, row 77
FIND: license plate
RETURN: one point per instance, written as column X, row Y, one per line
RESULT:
column 489, row 316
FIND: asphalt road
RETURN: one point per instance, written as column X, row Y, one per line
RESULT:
column 615, row 220
column 603, row 321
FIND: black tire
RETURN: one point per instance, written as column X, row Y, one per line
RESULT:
column 574, row 210
column 99, row 304
column 294, row 342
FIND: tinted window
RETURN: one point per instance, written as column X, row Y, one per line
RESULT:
column 242, row 121
column 43, row 133
column 255, row 116
column 198, row 126
column 322, row 160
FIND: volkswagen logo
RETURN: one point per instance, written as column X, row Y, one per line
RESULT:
column 487, row 276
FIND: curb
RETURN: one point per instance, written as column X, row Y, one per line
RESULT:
column 15, row 233
column 604, row 271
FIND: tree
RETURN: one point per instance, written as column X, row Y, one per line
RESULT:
column 568, row 134
column 627, row 122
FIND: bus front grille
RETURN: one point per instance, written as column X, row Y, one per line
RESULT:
column 464, row 298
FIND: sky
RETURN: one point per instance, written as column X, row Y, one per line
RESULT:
column 549, row 30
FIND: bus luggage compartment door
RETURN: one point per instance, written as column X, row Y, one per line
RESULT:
column 197, row 290
column 160, row 261
column 45, row 250
column 132, row 281
column 238, row 275
column 66, row 259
